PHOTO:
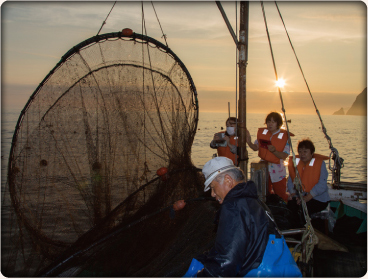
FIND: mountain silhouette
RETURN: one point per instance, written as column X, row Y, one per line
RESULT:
column 359, row 107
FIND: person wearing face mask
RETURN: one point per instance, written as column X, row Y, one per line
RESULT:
column 313, row 175
column 273, row 146
column 226, row 141
column 248, row 243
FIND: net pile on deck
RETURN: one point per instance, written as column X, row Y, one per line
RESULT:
column 85, row 152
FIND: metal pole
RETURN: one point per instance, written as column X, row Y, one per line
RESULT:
column 227, row 22
column 243, row 60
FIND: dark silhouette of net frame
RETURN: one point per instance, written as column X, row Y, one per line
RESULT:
column 87, row 145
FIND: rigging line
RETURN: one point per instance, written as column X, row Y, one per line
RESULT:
column 143, row 90
column 275, row 70
column 309, row 232
column 297, row 180
column 104, row 22
column 236, row 81
column 162, row 31
column 154, row 86
column 337, row 160
column 306, row 83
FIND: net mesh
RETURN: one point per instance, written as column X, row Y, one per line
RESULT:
column 84, row 157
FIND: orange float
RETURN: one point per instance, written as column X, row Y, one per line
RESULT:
column 127, row 32
column 178, row 205
column 162, row 172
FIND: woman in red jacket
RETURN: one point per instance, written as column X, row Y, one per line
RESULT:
column 273, row 146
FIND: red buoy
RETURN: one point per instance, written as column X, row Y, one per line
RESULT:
column 178, row 205
column 162, row 172
column 127, row 32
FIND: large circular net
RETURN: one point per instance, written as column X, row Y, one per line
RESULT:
column 87, row 146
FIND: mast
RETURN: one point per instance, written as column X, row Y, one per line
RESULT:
column 242, row 46
column 243, row 60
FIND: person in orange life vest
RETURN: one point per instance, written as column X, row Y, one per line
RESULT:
column 313, row 174
column 273, row 146
column 226, row 141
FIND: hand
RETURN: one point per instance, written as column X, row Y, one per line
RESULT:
column 290, row 196
column 216, row 137
column 227, row 139
column 298, row 201
column 308, row 197
column 271, row 148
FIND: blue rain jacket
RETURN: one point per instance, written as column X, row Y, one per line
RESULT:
column 242, row 235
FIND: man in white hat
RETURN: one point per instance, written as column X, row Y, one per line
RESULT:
column 242, row 233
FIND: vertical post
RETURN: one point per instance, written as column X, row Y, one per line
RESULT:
column 243, row 60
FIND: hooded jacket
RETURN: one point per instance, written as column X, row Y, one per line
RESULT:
column 242, row 235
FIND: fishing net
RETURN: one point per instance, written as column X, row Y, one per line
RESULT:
column 84, row 156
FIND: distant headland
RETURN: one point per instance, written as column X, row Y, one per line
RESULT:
column 359, row 106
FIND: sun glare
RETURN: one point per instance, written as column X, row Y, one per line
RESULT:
column 280, row 83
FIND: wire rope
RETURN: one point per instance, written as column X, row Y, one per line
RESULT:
column 338, row 161
column 162, row 31
column 309, row 235
column 104, row 22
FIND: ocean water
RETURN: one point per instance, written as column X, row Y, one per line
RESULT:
column 348, row 135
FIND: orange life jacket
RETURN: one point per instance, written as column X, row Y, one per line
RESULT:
column 278, row 140
column 309, row 173
column 225, row 151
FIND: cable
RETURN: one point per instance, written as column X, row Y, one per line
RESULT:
column 309, row 232
column 334, row 155
column 162, row 31
column 104, row 22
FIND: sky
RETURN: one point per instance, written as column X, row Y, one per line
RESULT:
column 330, row 40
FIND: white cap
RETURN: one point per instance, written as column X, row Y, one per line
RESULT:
column 214, row 167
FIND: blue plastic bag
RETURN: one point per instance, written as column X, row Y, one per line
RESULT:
column 194, row 267
column 277, row 262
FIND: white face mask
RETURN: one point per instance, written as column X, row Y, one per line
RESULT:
column 230, row 130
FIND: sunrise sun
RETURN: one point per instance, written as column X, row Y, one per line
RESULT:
column 280, row 83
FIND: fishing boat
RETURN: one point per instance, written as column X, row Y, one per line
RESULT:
column 100, row 168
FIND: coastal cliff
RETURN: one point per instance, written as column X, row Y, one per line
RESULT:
column 339, row 112
column 359, row 106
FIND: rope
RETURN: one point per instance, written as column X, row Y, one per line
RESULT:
column 162, row 31
column 281, row 99
column 153, row 81
column 236, row 85
column 104, row 22
column 143, row 87
column 309, row 232
column 334, row 155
